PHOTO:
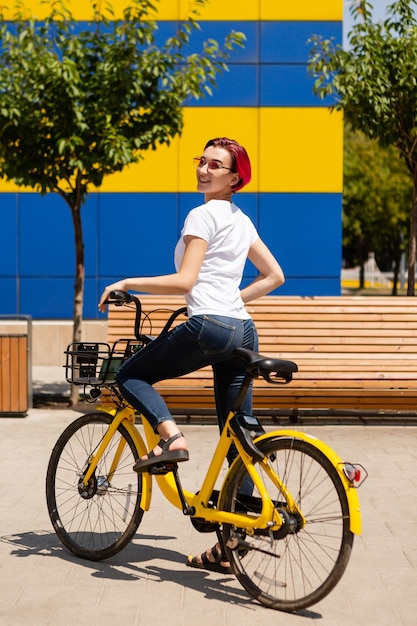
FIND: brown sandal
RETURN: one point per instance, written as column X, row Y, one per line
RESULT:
column 211, row 566
column 167, row 456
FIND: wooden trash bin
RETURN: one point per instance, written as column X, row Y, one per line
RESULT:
column 14, row 397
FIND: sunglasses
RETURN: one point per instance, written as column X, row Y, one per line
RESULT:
column 211, row 165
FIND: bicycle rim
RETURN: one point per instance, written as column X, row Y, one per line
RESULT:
column 296, row 567
column 97, row 522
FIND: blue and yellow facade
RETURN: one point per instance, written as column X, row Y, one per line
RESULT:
column 132, row 223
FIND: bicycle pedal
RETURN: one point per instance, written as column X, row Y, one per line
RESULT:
column 160, row 469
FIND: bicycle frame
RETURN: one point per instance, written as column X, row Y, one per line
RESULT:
column 199, row 501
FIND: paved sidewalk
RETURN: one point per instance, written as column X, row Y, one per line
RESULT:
column 44, row 585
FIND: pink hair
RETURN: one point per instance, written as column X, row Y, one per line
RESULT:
column 240, row 159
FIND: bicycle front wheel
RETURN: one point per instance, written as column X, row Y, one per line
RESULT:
column 296, row 566
column 98, row 520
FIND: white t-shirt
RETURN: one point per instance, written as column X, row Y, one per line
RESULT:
column 229, row 234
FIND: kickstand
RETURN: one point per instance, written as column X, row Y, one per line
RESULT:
column 186, row 509
column 221, row 543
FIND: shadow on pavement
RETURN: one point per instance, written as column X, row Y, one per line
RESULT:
column 129, row 566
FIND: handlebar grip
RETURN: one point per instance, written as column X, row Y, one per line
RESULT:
column 121, row 296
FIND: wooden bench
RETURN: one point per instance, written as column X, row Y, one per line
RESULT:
column 353, row 353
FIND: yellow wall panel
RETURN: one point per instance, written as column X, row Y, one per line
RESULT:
column 301, row 150
column 231, row 10
column 301, row 10
column 166, row 9
column 82, row 9
column 291, row 150
column 157, row 171
column 213, row 10
column 268, row 10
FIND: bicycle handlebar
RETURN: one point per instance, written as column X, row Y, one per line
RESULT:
column 118, row 298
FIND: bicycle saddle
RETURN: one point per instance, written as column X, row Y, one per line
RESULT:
column 265, row 365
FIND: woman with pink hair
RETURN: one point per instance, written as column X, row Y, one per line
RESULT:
column 210, row 256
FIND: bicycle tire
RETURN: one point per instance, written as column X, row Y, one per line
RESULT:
column 301, row 564
column 97, row 523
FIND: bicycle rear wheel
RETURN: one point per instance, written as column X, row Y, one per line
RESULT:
column 98, row 521
column 296, row 566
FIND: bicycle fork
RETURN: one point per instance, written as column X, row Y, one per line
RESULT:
column 93, row 461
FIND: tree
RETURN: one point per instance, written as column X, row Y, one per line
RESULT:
column 78, row 106
column 376, row 196
column 374, row 82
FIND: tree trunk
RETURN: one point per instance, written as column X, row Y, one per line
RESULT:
column 362, row 276
column 361, row 265
column 413, row 242
column 78, row 285
column 395, row 280
column 397, row 264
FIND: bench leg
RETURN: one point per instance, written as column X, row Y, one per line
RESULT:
column 294, row 416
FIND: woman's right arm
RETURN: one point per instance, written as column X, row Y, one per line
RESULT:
column 179, row 283
column 270, row 276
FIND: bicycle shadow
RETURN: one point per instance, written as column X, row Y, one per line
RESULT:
column 45, row 543
column 136, row 562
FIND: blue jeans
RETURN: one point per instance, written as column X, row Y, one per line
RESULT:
column 202, row 340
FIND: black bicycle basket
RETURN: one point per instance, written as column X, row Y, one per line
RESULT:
column 97, row 363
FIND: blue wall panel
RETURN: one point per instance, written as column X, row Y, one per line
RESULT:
column 9, row 296
column 9, row 262
column 237, row 87
column 9, row 235
column 275, row 85
column 315, row 286
column 138, row 233
column 90, row 220
column 92, row 292
column 304, row 231
column 287, row 86
column 219, row 30
column 46, row 236
column 287, row 42
column 47, row 298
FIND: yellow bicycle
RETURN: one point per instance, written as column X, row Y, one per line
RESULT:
column 286, row 512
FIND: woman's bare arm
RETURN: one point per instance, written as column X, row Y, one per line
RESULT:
column 270, row 276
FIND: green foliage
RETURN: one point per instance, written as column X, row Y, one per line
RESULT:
column 77, row 106
column 374, row 82
column 376, row 199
